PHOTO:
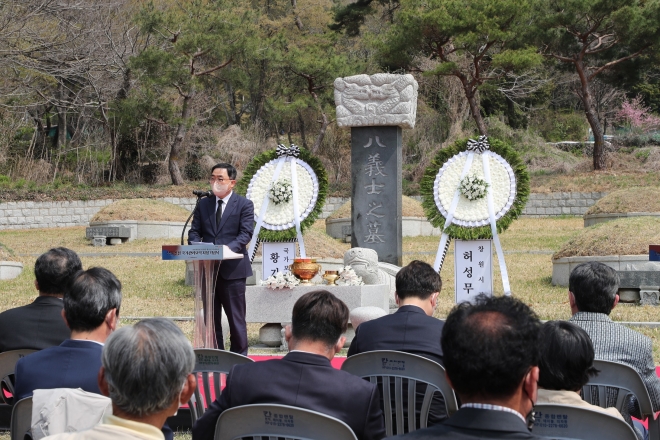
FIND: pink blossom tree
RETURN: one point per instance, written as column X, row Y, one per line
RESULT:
column 636, row 116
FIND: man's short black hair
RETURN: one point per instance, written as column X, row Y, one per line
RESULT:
column 567, row 357
column 93, row 293
column 319, row 316
column 231, row 171
column 594, row 286
column 490, row 346
column 55, row 269
column 417, row 279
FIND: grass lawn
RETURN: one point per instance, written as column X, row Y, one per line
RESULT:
column 152, row 287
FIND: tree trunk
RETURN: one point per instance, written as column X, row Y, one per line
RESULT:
column 592, row 118
column 302, row 129
column 324, row 125
column 177, row 144
column 471, row 95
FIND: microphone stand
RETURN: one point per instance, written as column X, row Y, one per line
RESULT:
column 199, row 197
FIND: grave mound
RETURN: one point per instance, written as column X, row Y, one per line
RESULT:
column 410, row 208
column 635, row 199
column 141, row 210
column 626, row 236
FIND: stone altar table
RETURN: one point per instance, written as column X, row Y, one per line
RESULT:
column 274, row 307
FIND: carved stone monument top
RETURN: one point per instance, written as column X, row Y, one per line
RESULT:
column 382, row 99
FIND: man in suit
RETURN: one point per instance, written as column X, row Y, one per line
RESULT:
column 227, row 219
column 40, row 325
column 491, row 355
column 91, row 310
column 412, row 329
column 593, row 288
column 304, row 377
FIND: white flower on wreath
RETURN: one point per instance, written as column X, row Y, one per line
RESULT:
column 348, row 277
column 281, row 280
column 281, row 191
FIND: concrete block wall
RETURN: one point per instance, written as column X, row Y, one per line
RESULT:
column 27, row 215
column 560, row 203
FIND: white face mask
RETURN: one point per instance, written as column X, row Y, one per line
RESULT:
column 220, row 190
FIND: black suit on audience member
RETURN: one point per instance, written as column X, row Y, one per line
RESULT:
column 304, row 380
column 35, row 326
column 411, row 330
column 473, row 424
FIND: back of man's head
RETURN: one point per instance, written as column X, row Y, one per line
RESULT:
column 417, row 279
column 319, row 316
column 93, row 293
column 490, row 346
column 55, row 269
column 146, row 366
column 594, row 286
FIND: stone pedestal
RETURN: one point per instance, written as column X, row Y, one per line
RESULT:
column 376, row 107
column 10, row 269
column 275, row 306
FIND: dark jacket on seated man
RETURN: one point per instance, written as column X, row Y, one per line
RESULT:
column 491, row 356
column 300, row 379
column 40, row 325
column 304, row 377
column 412, row 329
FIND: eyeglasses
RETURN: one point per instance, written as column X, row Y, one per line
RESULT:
column 219, row 179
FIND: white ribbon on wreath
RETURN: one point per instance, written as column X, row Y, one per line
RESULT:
column 479, row 146
column 284, row 155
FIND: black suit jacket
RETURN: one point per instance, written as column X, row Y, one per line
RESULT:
column 304, row 380
column 410, row 329
column 473, row 423
column 36, row 326
column 235, row 231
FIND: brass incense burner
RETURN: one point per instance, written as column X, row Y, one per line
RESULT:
column 330, row 276
column 305, row 269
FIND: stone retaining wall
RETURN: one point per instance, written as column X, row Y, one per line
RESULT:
column 560, row 203
column 26, row 215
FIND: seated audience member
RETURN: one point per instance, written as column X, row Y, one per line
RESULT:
column 565, row 366
column 304, row 377
column 491, row 357
column 412, row 329
column 91, row 309
column 593, row 288
column 39, row 325
column 147, row 373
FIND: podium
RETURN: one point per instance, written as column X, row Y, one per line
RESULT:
column 206, row 263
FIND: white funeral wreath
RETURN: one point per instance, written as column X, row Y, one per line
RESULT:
column 279, row 216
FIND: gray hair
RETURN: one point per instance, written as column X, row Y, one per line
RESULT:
column 146, row 366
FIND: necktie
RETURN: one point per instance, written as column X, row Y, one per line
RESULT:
column 218, row 213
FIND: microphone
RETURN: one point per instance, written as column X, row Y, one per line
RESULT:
column 201, row 194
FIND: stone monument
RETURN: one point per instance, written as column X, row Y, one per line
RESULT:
column 376, row 108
